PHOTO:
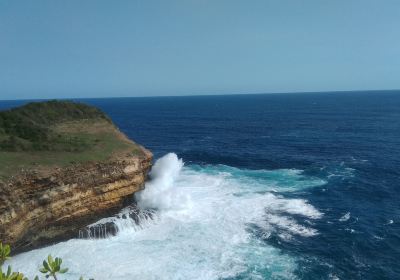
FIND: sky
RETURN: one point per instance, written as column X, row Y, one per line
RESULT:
column 97, row 48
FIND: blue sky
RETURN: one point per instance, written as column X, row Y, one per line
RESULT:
column 95, row 48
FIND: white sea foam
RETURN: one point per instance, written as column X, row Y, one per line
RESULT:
column 292, row 206
column 159, row 192
column 199, row 230
column 389, row 222
column 288, row 225
column 277, row 217
column 345, row 217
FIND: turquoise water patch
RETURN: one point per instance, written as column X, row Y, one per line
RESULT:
column 199, row 231
column 280, row 180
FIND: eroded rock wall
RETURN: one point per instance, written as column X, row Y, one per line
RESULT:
column 38, row 208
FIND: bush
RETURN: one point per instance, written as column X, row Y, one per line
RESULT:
column 51, row 267
column 28, row 128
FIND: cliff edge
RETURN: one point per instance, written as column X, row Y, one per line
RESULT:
column 63, row 165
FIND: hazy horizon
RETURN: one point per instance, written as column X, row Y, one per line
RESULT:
column 74, row 49
column 207, row 94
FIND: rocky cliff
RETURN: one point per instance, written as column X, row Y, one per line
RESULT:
column 49, row 199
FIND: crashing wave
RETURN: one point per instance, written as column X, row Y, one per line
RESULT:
column 129, row 217
column 195, row 224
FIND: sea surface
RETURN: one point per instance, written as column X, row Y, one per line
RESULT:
column 273, row 186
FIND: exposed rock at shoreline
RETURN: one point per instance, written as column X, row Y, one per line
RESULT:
column 130, row 216
column 46, row 202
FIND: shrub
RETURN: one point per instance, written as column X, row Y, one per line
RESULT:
column 4, row 253
column 51, row 267
column 28, row 128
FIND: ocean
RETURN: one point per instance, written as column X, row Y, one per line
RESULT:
column 269, row 186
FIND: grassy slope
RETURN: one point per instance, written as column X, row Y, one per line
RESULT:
column 48, row 134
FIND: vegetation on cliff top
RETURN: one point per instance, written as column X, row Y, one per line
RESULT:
column 29, row 128
column 57, row 133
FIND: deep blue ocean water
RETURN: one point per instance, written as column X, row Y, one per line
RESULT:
column 350, row 141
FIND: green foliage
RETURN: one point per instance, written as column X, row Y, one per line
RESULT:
column 51, row 134
column 51, row 267
column 5, row 251
column 28, row 128
column 10, row 275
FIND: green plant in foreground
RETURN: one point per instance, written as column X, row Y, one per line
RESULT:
column 52, row 266
column 5, row 251
column 9, row 275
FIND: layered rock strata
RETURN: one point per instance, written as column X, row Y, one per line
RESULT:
column 37, row 207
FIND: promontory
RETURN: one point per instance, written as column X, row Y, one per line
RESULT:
column 63, row 165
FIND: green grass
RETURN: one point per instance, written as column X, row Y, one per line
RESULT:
column 85, row 136
column 28, row 128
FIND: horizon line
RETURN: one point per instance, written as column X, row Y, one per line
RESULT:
column 205, row 94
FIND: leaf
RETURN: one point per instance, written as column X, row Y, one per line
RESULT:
column 63, row 270
column 56, row 265
column 7, row 250
column 46, row 266
column 43, row 270
column 51, row 261
column 8, row 271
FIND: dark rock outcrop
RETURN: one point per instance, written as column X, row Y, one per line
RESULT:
column 130, row 216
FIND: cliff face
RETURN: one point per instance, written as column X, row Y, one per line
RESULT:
column 39, row 207
column 63, row 166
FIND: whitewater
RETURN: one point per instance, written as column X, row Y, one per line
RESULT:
column 207, row 222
